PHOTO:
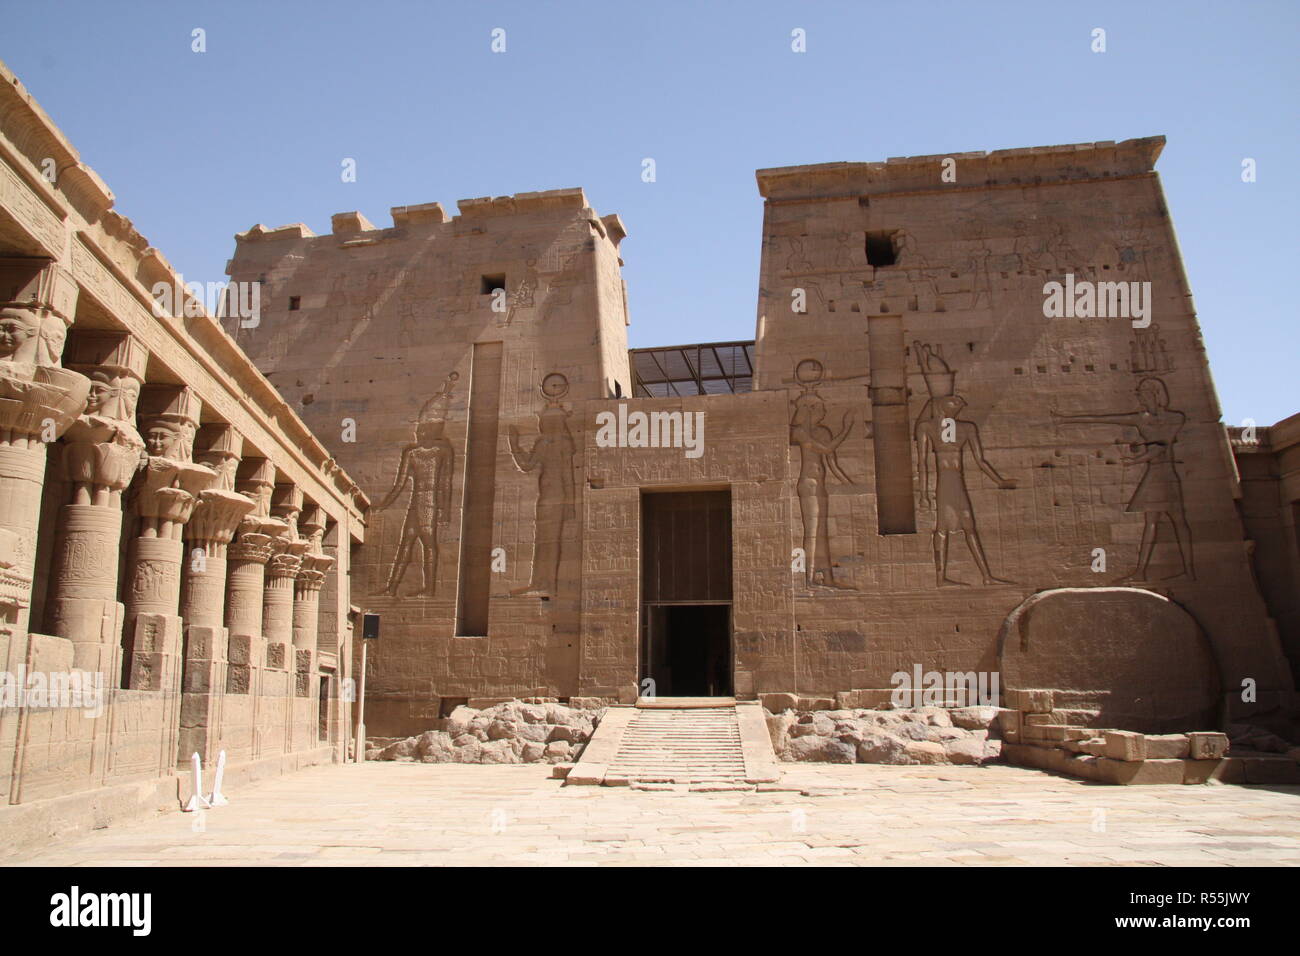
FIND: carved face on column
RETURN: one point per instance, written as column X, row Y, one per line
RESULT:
column 164, row 440
column 112, row 397
column 19, row 329
column 226, row 473
column 53, row 334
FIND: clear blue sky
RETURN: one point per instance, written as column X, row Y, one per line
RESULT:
column 198, row 147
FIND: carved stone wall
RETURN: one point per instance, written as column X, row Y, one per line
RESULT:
column 927, row 444
column 373, row 336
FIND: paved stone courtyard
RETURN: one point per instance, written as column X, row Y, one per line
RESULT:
column 401, row 814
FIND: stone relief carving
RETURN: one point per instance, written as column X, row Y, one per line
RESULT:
column 170, row 482
column 1159, row 491
column 1147, row 352
column 797, row 261
column 104, row 448
column 426, row 465
column 34, row 390
column 818, row 464
column 942, row 435
column 525, row 292
column 551, row 457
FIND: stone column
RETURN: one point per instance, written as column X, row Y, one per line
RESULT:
column 203, row 591
column 39, row 401
column 277, row 611
column 165, row 495
column 246, row 575
column 103, row 451
column 306, row 600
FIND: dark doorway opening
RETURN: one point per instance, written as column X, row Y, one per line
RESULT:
column 688, row 649
column 686, row 594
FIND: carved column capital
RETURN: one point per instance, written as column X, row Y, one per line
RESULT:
column 220, row 447
column 252, row 547
column 38, row 399
column 103, row 447
column 312, row 574
column 285, row 564
column 216, row 516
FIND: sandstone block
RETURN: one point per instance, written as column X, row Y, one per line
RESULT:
column 1125, row 745
column 973, row 718
column 778, row 703
column 876, row 747
column 1207, row 745
column 1166, row 746
column 925, row 752
column 966, row 750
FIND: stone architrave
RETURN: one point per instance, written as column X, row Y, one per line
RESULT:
column 165, row 493
column 102, row 454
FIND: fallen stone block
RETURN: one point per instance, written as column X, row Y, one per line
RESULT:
column 1207, row 745
column 779, row 703
column 1125, row 745
column 925, row 752
column 974, row 718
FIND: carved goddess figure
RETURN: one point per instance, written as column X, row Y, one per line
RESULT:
column 551, row 456
column 1159, row 492
column 426, row 465
column 947, row 437
column 19, row 330
column 103, row 447
column 818, row 462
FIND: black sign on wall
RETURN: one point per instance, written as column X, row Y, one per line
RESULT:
column 370, row 627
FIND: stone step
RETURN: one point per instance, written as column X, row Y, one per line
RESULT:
column 709, row 742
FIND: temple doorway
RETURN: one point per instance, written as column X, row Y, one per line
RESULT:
column 686, row 647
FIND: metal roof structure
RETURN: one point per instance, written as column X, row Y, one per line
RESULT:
column 710, row 368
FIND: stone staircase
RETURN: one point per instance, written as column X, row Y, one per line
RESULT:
column 699, row 742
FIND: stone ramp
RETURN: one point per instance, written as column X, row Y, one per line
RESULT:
column 699, row 742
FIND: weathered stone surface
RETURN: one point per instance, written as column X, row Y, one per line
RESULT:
column 885, row 737
column 1166, row 746
column 821, row 749
column 876, row 747
column 509, row 732
column 925, row 752
column 1081, row 639
column 1207, row 745
column 1125, row 745
column 973, row 718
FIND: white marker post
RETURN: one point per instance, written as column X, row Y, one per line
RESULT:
column 361, row 709
column 197, row 800
column 369, row 632
column 216, row 798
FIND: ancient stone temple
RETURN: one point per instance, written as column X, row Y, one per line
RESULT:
column 175, row 544
column 975, row 432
